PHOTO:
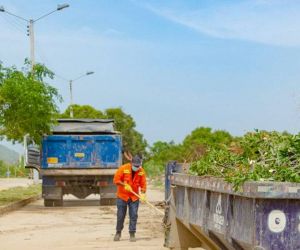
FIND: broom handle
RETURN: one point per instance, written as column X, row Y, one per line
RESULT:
column 147, row 202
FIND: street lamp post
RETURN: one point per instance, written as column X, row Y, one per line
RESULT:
column 30, row 33
column 71, row 90
column 30, row 27
column 31, row 37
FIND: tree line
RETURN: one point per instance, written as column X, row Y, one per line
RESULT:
column 29, row 105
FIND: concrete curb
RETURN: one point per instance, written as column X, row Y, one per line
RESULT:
column 18, row 204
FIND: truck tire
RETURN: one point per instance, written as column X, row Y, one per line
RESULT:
column 58, row 203
column 48, row 203
column 53, row 203
column 108, row 201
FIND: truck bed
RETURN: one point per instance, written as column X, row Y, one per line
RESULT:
column 81, row 151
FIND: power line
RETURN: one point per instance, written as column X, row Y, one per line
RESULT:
column 61, row 77
column 16, row 26
column 45, row 59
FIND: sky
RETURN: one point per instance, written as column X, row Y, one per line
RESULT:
column 173, row 65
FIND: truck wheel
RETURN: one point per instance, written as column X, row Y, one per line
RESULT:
column 48, row 203
column 53, row 203
column 58, row 203
column 108, row 201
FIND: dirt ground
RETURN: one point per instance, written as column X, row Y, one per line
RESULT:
column 80, row 224
column 6, row 183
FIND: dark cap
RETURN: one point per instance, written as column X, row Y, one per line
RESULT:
column 136, row 161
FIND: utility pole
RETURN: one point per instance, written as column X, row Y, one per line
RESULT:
column 31, row 35
column 71, row 100
column 30, row 27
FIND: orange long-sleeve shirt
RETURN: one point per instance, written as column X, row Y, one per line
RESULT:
column 124, row 175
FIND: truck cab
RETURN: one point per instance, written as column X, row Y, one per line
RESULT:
column 80, row 158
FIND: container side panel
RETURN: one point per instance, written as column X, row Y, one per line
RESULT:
column 263, row 216
column 242, row 227
column 81, row 152
column 278, row 224
column 54, row 153
column 197, row 199
column 108, row 151
column 180, row 195
column 217, row 220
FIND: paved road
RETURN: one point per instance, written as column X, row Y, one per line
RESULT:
column 6, row 183
column 78, row 225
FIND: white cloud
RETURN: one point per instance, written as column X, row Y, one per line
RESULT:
column 262, row 21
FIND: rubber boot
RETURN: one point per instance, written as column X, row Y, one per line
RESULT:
column 117, row 236
column 132, row 237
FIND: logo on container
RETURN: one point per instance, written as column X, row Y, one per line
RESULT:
column 218, row 218
column 276, row 221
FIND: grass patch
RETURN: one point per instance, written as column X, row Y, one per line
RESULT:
column 19, row 193
column 13, row 170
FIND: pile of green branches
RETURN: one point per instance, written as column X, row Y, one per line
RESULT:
column 257, row 156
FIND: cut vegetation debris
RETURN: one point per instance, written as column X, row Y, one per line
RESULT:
column 18, row 193
column 257, row 156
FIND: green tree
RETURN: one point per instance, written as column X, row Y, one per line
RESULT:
column 27, row 103
column 83, row 111
column 162, row 152
column 159, row 154
column 133, row 141
column 196, row 144
column 194, row 147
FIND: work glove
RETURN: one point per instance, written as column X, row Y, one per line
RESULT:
column 128, row 187
column 143, row 197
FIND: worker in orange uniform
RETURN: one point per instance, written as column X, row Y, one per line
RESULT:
column 129, row 177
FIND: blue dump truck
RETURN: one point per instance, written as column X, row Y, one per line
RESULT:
column 79, row 157
column 206, row 212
